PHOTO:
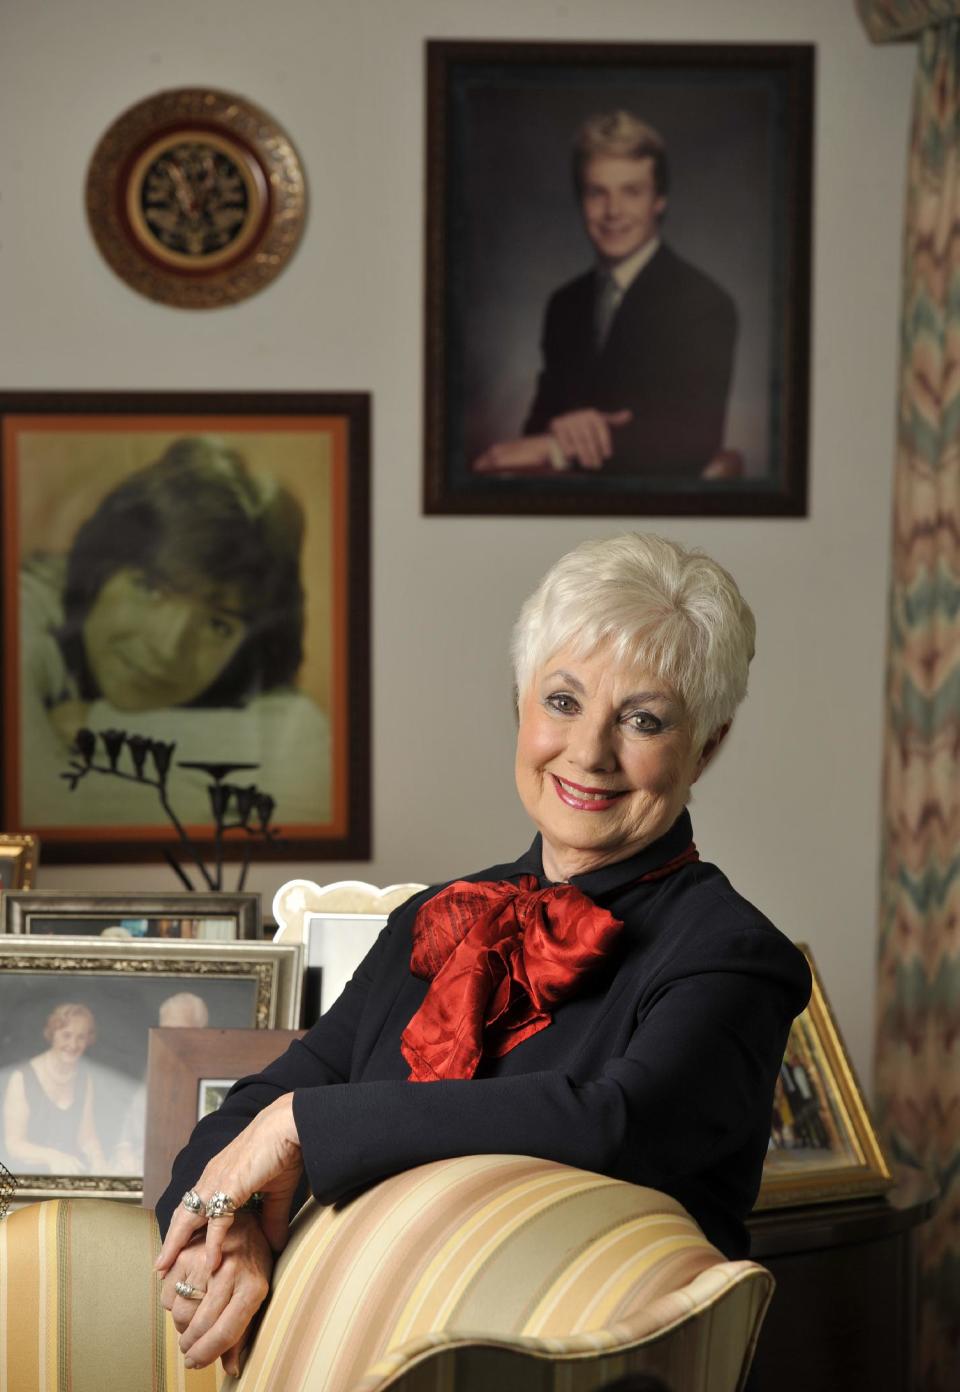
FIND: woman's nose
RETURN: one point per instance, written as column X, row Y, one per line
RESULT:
column 167, row 628
column 592, row 746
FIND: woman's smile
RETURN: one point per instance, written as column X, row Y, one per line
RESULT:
column 586, row 799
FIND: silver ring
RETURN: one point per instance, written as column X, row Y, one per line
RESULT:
column 192, row 1201
column 220, row 1205
column 188, row 1292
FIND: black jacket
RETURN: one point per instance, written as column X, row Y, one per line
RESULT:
column 668, row 358
column 660, row 1072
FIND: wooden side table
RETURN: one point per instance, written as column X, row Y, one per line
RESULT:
column 844, row 1312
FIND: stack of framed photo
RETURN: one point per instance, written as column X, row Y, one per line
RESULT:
column 83, row 981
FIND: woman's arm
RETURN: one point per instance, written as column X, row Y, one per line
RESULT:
column 684, row 1094
column 320, row 1059
column 16, row 1121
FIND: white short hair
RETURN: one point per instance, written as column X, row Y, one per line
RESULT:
column 673, row 611
column 184, row 1009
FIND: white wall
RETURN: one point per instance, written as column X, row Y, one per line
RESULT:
column 791, row 808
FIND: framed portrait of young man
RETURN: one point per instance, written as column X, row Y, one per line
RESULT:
column 185, row 583
column 617, row 278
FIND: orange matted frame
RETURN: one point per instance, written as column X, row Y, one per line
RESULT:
column 62, row 454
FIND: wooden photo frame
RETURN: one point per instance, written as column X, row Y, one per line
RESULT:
column 687, row 391
column 158, row 917
column 19, row 853
column 91, row 1002
column 180, row 1064
column 192, row 570
column 823, row 1144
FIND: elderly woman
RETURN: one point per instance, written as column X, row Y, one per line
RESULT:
column 48, row 1121
column 607, row 1000
column 178, row 614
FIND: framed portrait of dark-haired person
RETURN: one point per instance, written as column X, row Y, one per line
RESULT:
column 185, row 584
column 618, row 278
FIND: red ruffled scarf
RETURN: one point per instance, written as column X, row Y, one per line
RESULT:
column 499, row 957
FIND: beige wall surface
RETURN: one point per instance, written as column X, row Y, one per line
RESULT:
column 791, row 808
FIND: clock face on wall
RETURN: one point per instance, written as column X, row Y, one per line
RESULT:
column 196, row 198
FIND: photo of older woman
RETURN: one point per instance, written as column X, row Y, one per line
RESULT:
column 607, row 1000
column 48, row 1103
column 176, row 612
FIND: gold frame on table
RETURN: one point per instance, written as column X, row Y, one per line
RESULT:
column 823, row 1144
column 87, row 971
column 19, row 853
column 196, row 197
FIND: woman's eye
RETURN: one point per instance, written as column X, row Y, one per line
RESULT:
column 146, row 584
column 222, row 628
column 644, row 722
column 563, row 703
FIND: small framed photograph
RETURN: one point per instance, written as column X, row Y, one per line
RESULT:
column 75, row 1016
column 186, row 622
column 210, row 1094
column 223, row 917
column 336, row 944
column 189, row 1072
column 19, row 854
column 618, row 278
column 822, row 1142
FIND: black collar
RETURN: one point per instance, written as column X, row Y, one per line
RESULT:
column 609, row 878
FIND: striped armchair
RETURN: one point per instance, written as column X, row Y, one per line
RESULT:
column 492, row 1271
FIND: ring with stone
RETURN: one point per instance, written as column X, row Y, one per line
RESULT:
column 220, row 1205
column 192, row 1202
column 188, row 1292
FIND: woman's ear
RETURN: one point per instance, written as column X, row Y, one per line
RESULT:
column 711, row 745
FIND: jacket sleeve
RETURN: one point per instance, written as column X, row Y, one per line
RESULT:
column 683, row 1095
column 321, row 1058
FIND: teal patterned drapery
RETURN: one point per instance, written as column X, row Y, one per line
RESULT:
column 918, row 999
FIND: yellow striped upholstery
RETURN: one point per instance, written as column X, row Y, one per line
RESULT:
column 452, row 1274
column 79, row 1306
column 461, row 1276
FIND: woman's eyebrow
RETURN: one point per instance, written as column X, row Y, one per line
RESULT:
column 567, row 677
column 645, row 697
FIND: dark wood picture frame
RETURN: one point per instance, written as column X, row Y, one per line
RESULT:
column 307, row 454
column 177, row 1062
column 503, row 232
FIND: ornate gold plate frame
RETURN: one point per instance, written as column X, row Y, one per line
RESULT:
column 196, row 198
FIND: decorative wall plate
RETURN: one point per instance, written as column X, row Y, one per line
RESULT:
column 196, row 198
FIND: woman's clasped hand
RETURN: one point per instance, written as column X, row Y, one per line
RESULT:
column 221, row 1253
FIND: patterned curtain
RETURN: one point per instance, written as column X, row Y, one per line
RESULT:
column 918, row 1006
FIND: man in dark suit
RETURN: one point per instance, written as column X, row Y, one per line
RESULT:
column 638, row 352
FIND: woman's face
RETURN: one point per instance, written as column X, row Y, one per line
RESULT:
column 149, row 645
column 71, row 1038
column 605, row 760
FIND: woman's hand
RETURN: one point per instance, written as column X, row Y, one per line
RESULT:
column 218, row 1326
column 266, row 1159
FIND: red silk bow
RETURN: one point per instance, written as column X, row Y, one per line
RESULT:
column 500, row 956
